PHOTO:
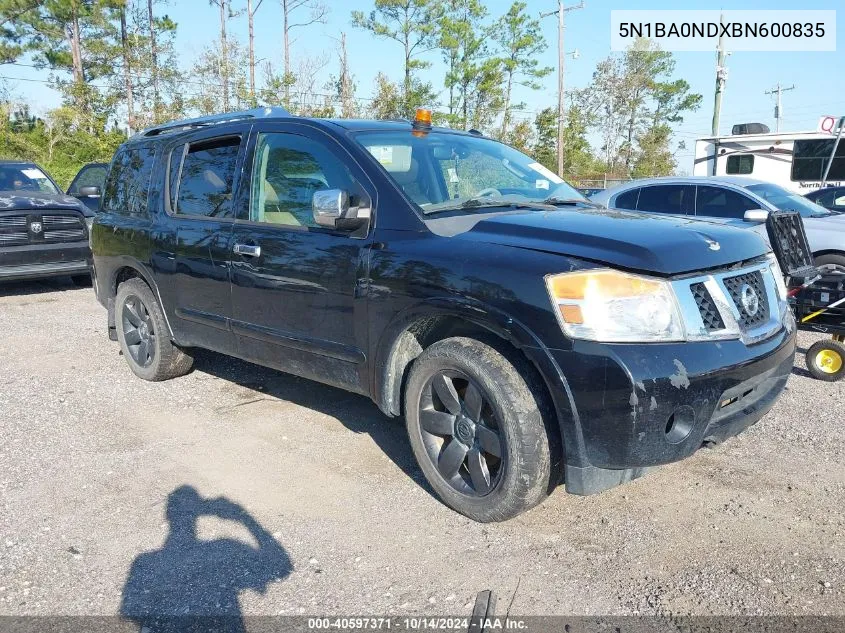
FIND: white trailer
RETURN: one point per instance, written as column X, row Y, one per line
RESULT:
column 796, row 160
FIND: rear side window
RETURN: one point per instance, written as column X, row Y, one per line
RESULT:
column 675, row 199
column 717, row 202
column 128, row 183
column 206, row 179
column 627, row 200
column 740, row 164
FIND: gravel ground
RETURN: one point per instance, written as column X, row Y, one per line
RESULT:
column 340, row 520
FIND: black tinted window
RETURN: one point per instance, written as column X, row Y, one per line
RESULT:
column 823, row 197
column 128, row 183
column 88, row 176
column 207, row 177
column 676, row 199
column 174, row 166
column 718, row 202
column 627, row 200
column 810, row 159
column 740, row 164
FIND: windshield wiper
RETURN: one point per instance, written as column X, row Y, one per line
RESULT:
column 573, row 201
column 485, row 203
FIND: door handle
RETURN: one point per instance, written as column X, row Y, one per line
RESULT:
column 249, row 250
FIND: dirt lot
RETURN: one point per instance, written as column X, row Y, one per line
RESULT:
column 338, row 515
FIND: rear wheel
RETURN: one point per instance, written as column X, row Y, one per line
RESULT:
column 143, row 335
column 831, row 262
column 476, row 429
column 826, row 360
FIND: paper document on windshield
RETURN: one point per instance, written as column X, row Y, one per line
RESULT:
column 34, row 173
column 546, row 173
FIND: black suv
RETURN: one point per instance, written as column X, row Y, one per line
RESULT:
column 523, row 333
column 43, row 233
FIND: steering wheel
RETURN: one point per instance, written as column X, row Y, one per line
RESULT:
column 489, row 191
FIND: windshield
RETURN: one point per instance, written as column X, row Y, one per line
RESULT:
column 25, row 178
column 786, row 200
column 441, row 171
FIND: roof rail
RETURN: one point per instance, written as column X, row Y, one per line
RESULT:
column 215, row 119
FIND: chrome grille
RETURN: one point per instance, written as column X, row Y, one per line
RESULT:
column 707, row 307
column 13, row 230
column 712, row 307
column 54, row 220
column 13, row 238
column 737, row 286
column 63, row 235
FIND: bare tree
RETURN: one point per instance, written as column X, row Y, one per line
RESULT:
column 251, row 11
column 317, row 13
column 345, row 88
column 224, row 49
column 127, row 70
column 153, row 57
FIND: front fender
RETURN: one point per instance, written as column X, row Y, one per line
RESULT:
column 398, row 346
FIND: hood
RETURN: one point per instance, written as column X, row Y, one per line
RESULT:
column 664, row 245
column 825, row 223
column 37, row 201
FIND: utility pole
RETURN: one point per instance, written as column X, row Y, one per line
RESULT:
column 561, row 54
column 777, row 90
column 721, row 78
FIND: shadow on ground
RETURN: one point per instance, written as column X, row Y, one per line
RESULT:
column 357, row 413
column 193, row 585
column 38, row 286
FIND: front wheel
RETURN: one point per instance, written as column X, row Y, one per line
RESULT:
column 477, row 431
column 143, row 334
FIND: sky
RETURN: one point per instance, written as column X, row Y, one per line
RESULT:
column 817, row 76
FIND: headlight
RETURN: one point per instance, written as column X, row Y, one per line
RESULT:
column 89, row 222
column 615, row 307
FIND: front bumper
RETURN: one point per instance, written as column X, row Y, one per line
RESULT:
column 633, row 407
column 36, row 261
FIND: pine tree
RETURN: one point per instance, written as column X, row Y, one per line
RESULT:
column 521, row 41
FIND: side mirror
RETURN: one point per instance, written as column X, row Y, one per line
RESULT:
column 756, row 215
column 89, row 191
column 331, row 208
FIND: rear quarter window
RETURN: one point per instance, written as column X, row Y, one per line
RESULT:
column 128, row 182
column 627, row 200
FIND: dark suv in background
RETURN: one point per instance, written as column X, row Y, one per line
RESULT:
column 524, row 333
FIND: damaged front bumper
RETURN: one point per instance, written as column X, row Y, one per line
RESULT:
column 632, row 407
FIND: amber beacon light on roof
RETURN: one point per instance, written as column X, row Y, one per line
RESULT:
column 422, row 119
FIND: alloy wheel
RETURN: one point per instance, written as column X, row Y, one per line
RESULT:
column 460, row 433
column 138, row 331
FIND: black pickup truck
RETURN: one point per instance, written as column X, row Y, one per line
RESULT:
column 43, row 233
column 526, row 335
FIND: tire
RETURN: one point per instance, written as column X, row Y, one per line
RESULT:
column 831, row 260
column 139, row 320
column 81, row 281
column 502, row 458
column 826, row 360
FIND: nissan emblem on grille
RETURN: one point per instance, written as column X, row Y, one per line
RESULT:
column 35, row 227
column 750, row 300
